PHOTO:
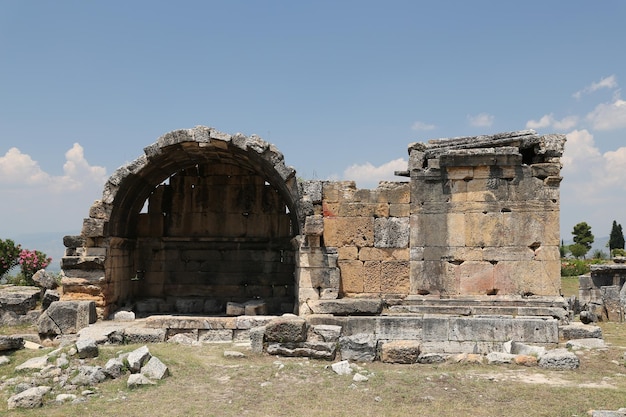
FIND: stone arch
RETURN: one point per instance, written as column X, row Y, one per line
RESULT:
column 200, row 219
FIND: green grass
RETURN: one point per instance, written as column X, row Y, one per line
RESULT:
column 204, row 383
column 569, row 286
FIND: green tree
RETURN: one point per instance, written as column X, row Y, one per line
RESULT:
column 616, row 239
column 9, row 255
column 582, row 236
column 577, row 250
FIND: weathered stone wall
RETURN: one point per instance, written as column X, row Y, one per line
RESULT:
column 485, row 215
column 226, row 220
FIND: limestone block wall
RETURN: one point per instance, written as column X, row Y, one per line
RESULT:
column 485, row 215
column 355, row 243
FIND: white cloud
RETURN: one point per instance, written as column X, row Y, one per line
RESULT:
column 548, row 120
column 609, row 116
column 20, row 170
column 40, row 201
column 367, row 175
column 481, row 120
column 422, row 126
column 607, row 82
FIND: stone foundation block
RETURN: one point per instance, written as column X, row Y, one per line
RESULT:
column 66, row 317
column 287, row 328
column 347, row 306
column 359, row 347
column 400, row 351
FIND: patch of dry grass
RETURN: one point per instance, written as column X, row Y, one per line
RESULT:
column 205, row 383
column 569, row 286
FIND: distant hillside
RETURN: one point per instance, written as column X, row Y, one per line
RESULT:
column 598, row 243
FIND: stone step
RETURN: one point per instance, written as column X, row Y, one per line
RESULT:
column 473, row 310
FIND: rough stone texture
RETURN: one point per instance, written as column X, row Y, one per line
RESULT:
column 499, row 358
column 359, row 347
column 114, row 368
column 144, row 335
column 325, row 333
column 37, row 363
column 430, row 358
column 400, row 351
column 31, row 398
column 576, row 344
column 346, row 306
column 18, row 299
column 64, row 317
column 45, row 280
column 138, row 380
column 86, row 348
column 580, row 331
column 155, row 369
column 11, row 343
column 49, row 297
column 137, row 358
column 89, row 376
column 342, row 368
column 315, row 350
column 286, row 329
column 559, row 359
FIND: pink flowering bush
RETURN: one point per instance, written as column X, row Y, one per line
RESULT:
column 9, row 255
column 32, row 261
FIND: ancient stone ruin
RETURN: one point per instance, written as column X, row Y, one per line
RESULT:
column 602, row 293
column 462, row 256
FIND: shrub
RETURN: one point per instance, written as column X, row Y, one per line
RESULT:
column 9, row 255
column 31, row 262
column 574, row 267
column 598, row 254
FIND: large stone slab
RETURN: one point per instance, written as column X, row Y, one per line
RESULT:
column 359, row 347
column 347, row 306
column 11, row 343
column 19, row 299
column 66, row 317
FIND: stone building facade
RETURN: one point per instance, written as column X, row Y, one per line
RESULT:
column 203, row 219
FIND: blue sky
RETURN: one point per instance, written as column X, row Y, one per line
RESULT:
column 341, row 88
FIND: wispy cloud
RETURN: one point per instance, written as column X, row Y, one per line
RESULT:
column 419, row 126
column 548, row 120
column 607, row 82
column 609, row 116
column 481, row 120
column 367, row 175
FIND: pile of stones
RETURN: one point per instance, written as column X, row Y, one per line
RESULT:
column 70, row 373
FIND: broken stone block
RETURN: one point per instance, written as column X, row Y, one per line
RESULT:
column 235, row 309
column 31, row 398
column 580, row 331
column 360, row 347
column 287, row 328
column 45, row 280
column 400, row 351
column 326, row 332
column 138, row 380
column 11, row 343
column 86, row 348
column 66, row 317
column 114, row 368
column 346, row 306
column 342, row 368
column 559, row 359
column 255, row 308
column 89, row 376
column 49, row 297
column 315, row 350
column 155, row 369
column 137, row 358
column 19, row 299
